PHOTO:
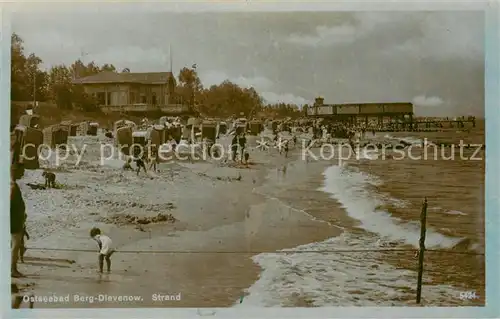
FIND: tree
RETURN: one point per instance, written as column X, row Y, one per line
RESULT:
column 36, row 79
column 82, row 100
column 80, row 70
column 189, row 85
column 189, row 78
column 17, row 69
column 60, row 83
column 126, row 70
column 282, row 110
column 228, row 99
column 108, row 67
column 26, row 73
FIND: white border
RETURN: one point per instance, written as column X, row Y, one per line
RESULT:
column 491, row 310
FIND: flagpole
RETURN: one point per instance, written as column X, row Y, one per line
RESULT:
column 193, row 67
column 171, row 59
column 34, row 89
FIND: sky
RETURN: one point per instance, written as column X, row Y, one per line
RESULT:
column 434, row 59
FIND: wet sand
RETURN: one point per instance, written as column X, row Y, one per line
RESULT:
column 225, row 223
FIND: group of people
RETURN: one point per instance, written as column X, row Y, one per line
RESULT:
column 283, row 146
column 142, row 159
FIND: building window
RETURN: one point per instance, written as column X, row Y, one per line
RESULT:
column 153, row 99
column 132, row 97
column 109, row 98
column 101, row 98
column 143, row 99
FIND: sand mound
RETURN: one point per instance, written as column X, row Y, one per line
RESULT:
column 119, row 206
column 221, row 178
column 127, row 219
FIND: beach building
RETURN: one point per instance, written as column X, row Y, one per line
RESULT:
column 355, row 112
column 134, row 92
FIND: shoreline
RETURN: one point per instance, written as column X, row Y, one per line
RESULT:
column 266, row 211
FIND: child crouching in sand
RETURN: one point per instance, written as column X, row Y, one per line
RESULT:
column 105, row 248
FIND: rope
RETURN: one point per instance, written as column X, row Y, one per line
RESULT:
column 260, row 252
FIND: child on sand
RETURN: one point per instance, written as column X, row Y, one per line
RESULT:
column 105, row 248
column 127, row 166
column 141, row 163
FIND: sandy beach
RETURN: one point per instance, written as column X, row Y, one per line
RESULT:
column 230, row 220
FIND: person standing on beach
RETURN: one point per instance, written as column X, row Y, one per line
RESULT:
column 105, row 248
column 243, row 142
column 351, row 143
column 286, row 148
column 154, row 158
column 141, row 162
column 17, row 217
column 234, row 147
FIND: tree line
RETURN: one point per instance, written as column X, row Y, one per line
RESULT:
column 29, row 83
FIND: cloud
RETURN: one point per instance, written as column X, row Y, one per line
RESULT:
column 258, row 82
column 443, row 38
column 325, row 36
column 288, row 98
column 131, row 55
column 216, row 77
column 348, row 31
column 263, row 86
column 431, row 101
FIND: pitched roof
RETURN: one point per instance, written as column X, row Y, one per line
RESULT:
column 113, row 77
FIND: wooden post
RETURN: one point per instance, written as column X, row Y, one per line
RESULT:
column 423, row 219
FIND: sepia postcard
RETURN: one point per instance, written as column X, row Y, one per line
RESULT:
column 277, row 159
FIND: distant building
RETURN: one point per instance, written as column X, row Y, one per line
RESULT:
column 133, row 92
column 362, row 111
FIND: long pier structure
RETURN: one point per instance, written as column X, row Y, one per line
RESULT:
column 395, row 115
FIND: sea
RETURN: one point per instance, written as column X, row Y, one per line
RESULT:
column 377, row 204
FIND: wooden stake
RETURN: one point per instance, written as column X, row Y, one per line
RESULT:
column 423, row 219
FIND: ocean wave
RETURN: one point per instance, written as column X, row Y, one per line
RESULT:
column 351, row 189
column 408, row 139
column 307, row 278
column 313, row 275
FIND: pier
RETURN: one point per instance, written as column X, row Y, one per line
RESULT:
column 394, row 116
